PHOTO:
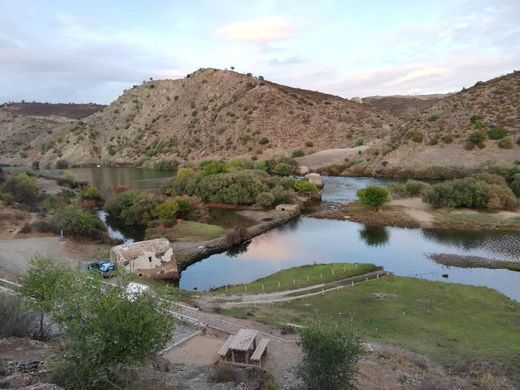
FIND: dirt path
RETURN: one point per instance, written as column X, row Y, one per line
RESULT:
column 416, row 209
column 327, row 157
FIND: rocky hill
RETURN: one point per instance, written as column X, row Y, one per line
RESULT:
column 222, row 114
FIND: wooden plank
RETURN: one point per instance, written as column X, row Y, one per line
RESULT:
column 223, row 351
column 243, row 340
column 260, row 349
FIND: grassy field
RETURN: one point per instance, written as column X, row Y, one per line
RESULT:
column 447, row 322
column 188, row 231
column 297, row 277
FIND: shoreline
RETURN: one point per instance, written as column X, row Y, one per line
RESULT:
column 462, row 261
column 412, row 213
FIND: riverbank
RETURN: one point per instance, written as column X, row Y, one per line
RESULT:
column 413, row 213
column 189, row 253
column 449, row 323
column 473, row 262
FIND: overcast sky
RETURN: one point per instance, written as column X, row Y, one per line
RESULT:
column 83, row 51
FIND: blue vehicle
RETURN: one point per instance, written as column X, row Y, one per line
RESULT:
column 105, row 268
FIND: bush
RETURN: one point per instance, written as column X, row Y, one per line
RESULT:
column 373, row 196
column 75, row 221
column 35, row 165
column 359, row 142
column 133, row 208
column 309, row 144
column 237, row 236
column 107, row 331
column 415, row 187
column 22, row 188
column 282, row 195
column 263, row 141
column 478, row 191
column 91, row 193
column 166, row 165
column 260, row 166
column 477, row 138
column 505, row 143
column 433, row 117
column 62, row 164
column 497, row 133
column 283, row 169
column 447, row 139
column 305, row 186
column 298, row 153
column 212, row 167
column 515, row 184
column 330, row 355
column 192, row 208
column 416, row 136
column 265, row 199
column 396, row 188
column 15, row 322
column 58, row 201
column 167, row 210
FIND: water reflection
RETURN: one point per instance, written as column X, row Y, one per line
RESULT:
column 374, row 235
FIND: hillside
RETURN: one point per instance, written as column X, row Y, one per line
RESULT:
column 432, row 136
column 212, row 114
column 222, row 114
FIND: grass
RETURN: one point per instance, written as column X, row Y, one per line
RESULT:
column 446, row 322
column 475, row 221
column 188, row 231
column 298, row 277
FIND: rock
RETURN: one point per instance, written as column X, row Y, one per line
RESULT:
column 315, row 178
column 302, row 170
column 292, row 208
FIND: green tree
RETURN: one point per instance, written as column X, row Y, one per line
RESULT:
column 373, row 196
column 107, row 330
column 305, row 186
column 330, row 355
column 167, row 210
column 73, row 220
column 23, row 188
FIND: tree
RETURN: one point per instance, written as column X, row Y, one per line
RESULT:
column 167, row 210
column 23, row 188
column 373, row 196
column 107, row 330
column 330, row 355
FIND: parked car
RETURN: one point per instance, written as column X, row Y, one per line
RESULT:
column 105, row 268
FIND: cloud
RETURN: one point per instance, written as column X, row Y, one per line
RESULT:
column 263, row 31
column 418, row 74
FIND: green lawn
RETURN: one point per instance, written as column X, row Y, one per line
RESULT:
column 188, row 231
column 297, row 277
column 447, row 322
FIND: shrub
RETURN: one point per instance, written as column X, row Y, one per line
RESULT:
column 167, row 210
column 416, row 136
column 478, row 191
column 111, row 150
column 133, row 208
column 330, row 355
column 477, row 121
column 288, row 182
column 515, row 184
column 447, row 139
column 56, row 201
column 477, row 138
column 434, row 116
column 75, row 221
column 35, row 165
column 359, row 142
column 166, row 165
column 235, row 164
column 22, row 188
column 265, row 199
column 192, row 208
column 212, row 167
column 62, row 164
column 282, row 195
column 373, row 196
column 298, row 153
column 237, row 236
column 497, row 133
column 505, row 143
column 263, row 141
column 15, row 322
column 469, row 146
column 107, row 331
column 305, row 186
column 283, row 169
column 309, row 144
column 396, row 188
column 260, row 166
column 415, row 187
column 91, row 192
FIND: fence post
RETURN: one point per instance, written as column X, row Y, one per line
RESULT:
column 352, row 283
column 245, row 287
column 377, row 276
column 294, row 282
column 321, row 276
column 278, row 285
column 263, row 289
column 332, row 271
column 307, row 278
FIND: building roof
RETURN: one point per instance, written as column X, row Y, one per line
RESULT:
column 243, row 340
column 136, row 249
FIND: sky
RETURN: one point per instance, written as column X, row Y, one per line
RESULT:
column 90, row 51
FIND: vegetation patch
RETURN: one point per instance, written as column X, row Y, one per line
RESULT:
column 298, row 277
column 444, row 321
column 189, row 231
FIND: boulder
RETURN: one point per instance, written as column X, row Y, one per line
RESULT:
column 302, row 170
column 292, row 208
column 315, row 178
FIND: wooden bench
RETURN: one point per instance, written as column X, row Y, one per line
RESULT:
column 260, row 350
column 223, row 351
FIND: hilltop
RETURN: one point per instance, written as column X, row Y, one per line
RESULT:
column 219, row 114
